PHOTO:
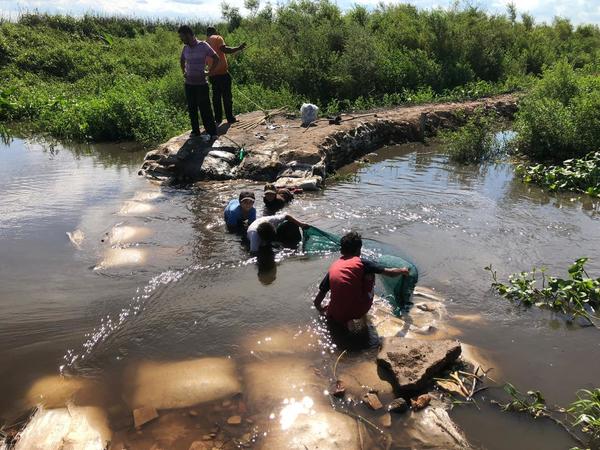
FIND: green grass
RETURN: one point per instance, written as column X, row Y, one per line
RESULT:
column 111, row 78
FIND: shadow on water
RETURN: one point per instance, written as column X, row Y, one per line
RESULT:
column 156, row 286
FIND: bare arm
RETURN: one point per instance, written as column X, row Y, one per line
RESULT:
column 230, row 50
column 395, row 272
column 215, row 59
column 319, row 300
column 296, row 222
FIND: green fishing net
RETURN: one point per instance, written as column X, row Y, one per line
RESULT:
column 397, row 290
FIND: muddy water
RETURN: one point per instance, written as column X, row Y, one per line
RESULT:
column 149, row 285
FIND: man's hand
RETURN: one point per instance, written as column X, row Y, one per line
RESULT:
column 319, row 301
column 242, row 46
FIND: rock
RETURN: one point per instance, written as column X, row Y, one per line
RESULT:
column 268, row 383
column 300, row 156
column 296, row 170
column 76, row 237
column 373, row 401
column 56, row 391
column 144, row 415
column 193, row 413
column 66, row 428
column 356, row 376
column 413, row 363
column 327, row 430
column 260, row 166
column 398, row 405
column 224, row 155
column 339, row 390
column 306, row 184
column 165, row 385
column 386, row 420
column 421, row 402
column 198, row 445
column 234, row 420
column 214, row 168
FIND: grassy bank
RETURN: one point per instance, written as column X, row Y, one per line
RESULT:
column 109, row 78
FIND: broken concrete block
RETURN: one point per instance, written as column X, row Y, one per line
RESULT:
column 144, row 415
column 386, row 420
column 234, row 420
column 373, row 401
column 414, row 363
column 165, row 385
column 421, row 402
column 70, row 428
column 398, row 405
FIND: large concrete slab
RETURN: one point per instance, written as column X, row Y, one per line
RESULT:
column 412, row 363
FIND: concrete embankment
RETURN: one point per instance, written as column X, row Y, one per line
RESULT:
column 277, row 148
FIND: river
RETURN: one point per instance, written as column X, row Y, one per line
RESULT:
column 151, row 275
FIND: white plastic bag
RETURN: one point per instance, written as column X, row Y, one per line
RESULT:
column 309, row 113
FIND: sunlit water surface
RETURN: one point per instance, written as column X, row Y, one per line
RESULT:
column 149, row 274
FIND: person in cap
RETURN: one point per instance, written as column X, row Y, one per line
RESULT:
column 275, row 199
column 219, row 76
column 240, row 213
column 351, row 280
column 281, row 228
column 193, row 59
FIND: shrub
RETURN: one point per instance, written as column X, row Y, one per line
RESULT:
column 560, row 118
column 474, row 142
column 586, row 411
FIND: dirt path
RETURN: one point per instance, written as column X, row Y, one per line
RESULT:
column 280, row 149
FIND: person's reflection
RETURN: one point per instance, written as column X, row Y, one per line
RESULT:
column 267, row 267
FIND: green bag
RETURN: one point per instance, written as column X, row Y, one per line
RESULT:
column 398, row 290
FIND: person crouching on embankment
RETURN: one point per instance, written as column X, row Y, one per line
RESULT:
column 193, row 63
column 219, row 77
column 281, row 228
column 240, row 213
column 351, row 280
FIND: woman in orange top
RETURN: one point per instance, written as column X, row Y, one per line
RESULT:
column 219, row 77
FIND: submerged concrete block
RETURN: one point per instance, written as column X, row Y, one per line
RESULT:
column 166, row 385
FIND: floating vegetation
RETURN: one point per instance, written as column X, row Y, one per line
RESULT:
column 534, row 404
column 576, row 296
column 586, row 411
column 577, row 175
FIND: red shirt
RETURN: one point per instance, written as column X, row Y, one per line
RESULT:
column 351, row 280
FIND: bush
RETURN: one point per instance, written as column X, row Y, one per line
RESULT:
column 474, row 142
column 560, row 118
column 302, row 50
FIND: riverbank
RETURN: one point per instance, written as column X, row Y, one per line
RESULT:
column 277, row 148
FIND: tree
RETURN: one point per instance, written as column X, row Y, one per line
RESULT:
column 232, row 15
column 252, row 6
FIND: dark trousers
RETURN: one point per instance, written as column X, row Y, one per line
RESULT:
column 221, row 94
column 197, row 98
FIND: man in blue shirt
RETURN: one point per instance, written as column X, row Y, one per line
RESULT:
column 240, row 213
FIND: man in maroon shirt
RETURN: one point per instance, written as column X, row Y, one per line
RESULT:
column 193, row 64
column 351, row 280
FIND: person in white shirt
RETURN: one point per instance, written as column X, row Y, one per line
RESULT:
column 262, row 232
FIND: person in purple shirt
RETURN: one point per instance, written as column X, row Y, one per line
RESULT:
column 193, row 63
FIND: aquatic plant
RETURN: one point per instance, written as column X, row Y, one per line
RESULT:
column 586, row 411
column 532, row 403
column 577, row 175
column 474, row 142
column 576, row 296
